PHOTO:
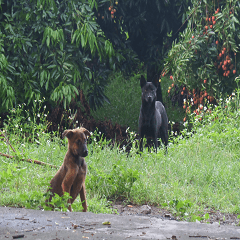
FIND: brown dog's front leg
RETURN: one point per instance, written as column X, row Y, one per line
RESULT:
column 83, row 198
column 68, row 182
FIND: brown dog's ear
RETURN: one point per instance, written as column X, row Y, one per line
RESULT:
column 67, row 133
column 142, row 81
column 85, row 131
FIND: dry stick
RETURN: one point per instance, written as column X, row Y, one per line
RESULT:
column 30, row 160
column 23, row 159
column 7, row 141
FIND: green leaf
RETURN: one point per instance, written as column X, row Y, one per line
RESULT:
column 234, row 19
column 27, row 16
column 52, row 66
column 42, row 78
column 46, row 86
column 48, row 41
column 206, row 216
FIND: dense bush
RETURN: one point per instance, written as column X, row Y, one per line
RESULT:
column 205, row 60
column 49, row 49
column 53, row 48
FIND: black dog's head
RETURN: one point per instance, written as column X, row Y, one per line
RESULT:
column 149, row 91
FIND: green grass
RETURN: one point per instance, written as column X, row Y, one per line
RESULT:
column 125, row 101
column 200, row 173
column 201, row 169
column 24, row 184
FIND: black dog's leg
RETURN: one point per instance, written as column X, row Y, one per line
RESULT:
column 165, row 138
column 163, row 134
column 155, row 139
column 141, row 144
column 156, row 144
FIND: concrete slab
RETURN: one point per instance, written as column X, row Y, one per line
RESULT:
column 20, row 223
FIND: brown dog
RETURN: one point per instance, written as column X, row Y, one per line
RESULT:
column 71, row 175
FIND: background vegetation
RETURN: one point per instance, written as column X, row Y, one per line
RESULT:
column 203, row 63
column 51, row 50
column 124, row 94
column 197, row 177
column 47, row 48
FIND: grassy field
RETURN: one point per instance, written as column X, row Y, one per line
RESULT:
column 200, row 173
column 125, row 101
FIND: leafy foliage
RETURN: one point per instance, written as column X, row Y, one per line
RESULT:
column 118, row 182
column 48, row 49
column 205, row 58
column 54, row 48
column 180, row 207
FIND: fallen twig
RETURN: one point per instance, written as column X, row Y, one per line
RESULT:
column 18, row 236
column 23, row 159
column 30, row 160
column 22, row 218
column 7, row 141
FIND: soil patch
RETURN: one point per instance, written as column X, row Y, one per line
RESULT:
column 153, row 211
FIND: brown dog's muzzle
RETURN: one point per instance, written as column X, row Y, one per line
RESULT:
column 82, row 150
column 85, row 152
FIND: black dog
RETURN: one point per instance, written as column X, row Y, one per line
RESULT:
column 153, row 120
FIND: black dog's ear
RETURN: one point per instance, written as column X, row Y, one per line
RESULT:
column 155, row 80
column 142, row 81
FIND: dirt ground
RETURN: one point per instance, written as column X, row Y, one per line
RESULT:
column 152, row 211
